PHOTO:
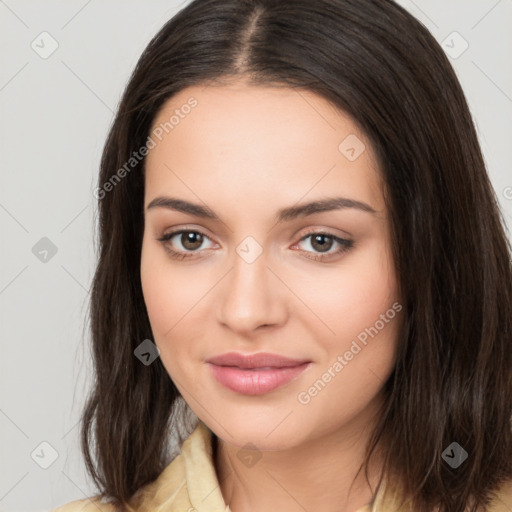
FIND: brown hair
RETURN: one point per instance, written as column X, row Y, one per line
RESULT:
column 452, row 381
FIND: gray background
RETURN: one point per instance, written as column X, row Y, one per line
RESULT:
column 55, row 113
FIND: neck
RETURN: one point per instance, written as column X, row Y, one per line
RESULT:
column 320, row 474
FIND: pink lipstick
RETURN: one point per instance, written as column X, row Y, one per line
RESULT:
column 255, row 374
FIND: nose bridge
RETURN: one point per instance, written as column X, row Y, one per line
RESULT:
column 250, row 296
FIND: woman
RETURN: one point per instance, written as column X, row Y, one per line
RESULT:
column 299, row 243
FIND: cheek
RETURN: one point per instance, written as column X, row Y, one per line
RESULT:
column 168, row 295
column 353, row 297
column 159, row 297
column 360, row 304
column 357, row 363
column 168, row 292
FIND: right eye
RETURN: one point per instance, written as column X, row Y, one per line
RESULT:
column 189, row 240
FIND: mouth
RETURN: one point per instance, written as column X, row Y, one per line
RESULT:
column 256, row 380
column 261, row 360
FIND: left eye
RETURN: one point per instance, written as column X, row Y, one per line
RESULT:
column 321, row 243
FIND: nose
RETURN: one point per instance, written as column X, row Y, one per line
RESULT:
column 251, row 297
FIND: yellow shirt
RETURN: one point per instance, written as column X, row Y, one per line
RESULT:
column 189, row 484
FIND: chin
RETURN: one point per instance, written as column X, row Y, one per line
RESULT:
column 266, row 434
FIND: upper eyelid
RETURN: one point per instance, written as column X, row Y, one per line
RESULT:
column 178, row 231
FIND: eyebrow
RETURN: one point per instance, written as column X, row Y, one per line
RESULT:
column 285, row 214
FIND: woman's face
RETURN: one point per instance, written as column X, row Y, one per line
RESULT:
column 255, row 271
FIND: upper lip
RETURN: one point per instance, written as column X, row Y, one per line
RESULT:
column 260, row 360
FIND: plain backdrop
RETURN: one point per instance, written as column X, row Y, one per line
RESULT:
column 63, row 69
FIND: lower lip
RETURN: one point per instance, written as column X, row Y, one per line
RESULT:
column 255, row 382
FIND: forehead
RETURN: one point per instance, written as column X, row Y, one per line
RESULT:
column 279, row 142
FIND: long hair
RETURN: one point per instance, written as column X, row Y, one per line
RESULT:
column 371, row 59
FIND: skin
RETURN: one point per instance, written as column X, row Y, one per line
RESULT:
column 247, row 152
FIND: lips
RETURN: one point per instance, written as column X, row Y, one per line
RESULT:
column 255, row 374
column 255, row 361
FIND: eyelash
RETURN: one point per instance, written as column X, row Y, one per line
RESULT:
column 345, row 245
